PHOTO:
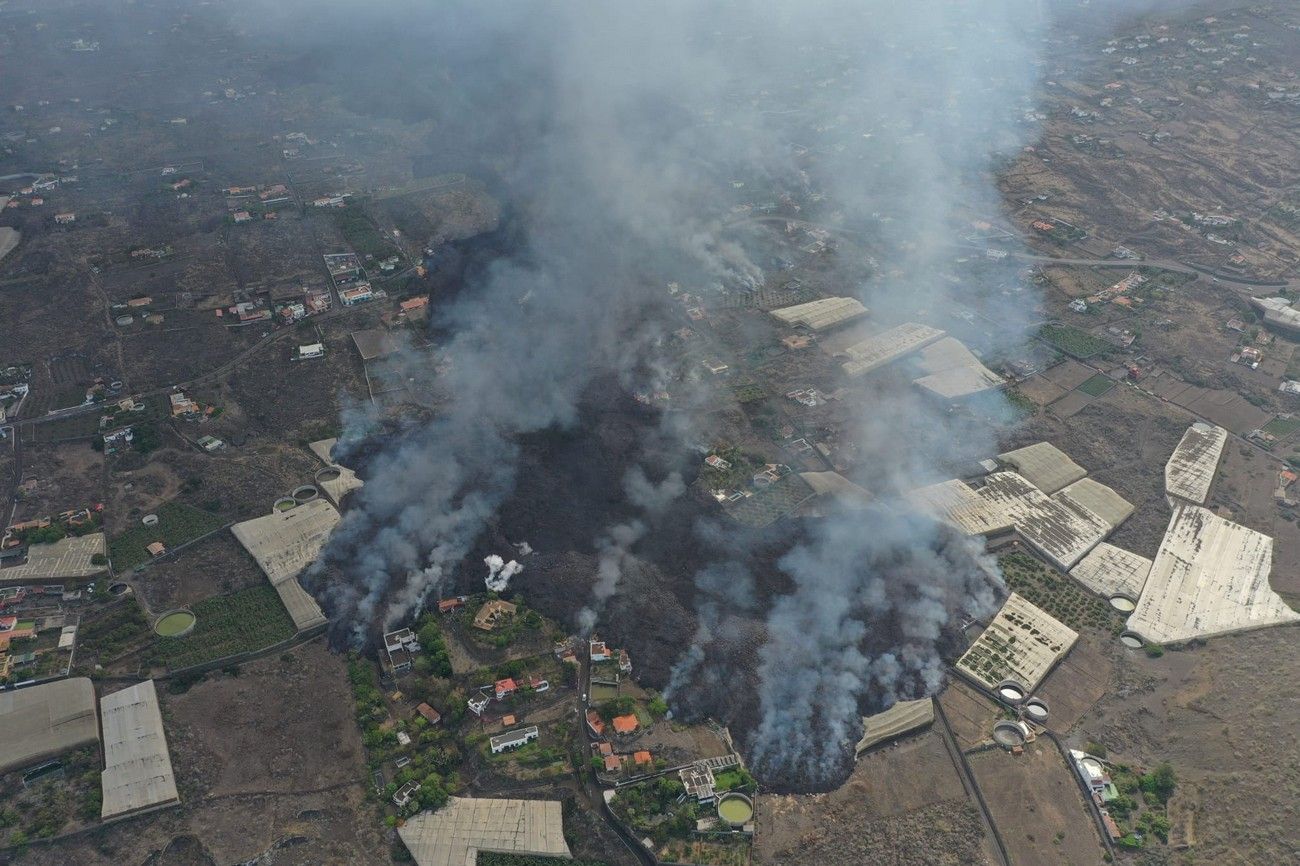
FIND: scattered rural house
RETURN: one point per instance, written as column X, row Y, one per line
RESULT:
column 65, row 218
column 624, row 662
column 595, row 723
column 403, row 738
column 400, row 646
column 478, row 704
column 330, row 201
column 181, row 404
column 491, row 613
column 356, row 295
column 309, row 351
column 512, row 740
column 624, row 725
column 430, row 715
column 117, row 440
column 413, row 305
column 403, row 795
column 508, row 720
column 504, row 688
column 598, row 651
column 211, row 443
column 613, row 763
column 156, row 548
column 142, row 301
column 538, row 684
column 447, row 605
column 242, row 216
column 641, row 758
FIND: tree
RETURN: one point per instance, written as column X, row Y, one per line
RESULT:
column 1160, row 782
column 658, row 706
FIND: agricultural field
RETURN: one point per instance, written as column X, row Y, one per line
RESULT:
column 111, row 634
column 66, row 797
column 1072, row 341
column 1057, row 594
column 706, row 852
column 489, row 858
column 769, row 504
column 227, row 624
column 1097, row 385
column 177, row 524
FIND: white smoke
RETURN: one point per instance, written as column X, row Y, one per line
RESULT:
column 499, row 572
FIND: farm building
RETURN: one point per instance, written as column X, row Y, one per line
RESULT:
column 1061, row 528
column 952, row 371
column 1021, row 645
column 1209, row 577
column 1114, row 574
column 44, row 721
column 883, row 348
column 66, row 559
column 822, row 313
column 286, row 542
column 456, row 833
column 137, row 773
column 902, row 718
column 335, row 480
column 1190, row 470
column 1044, row 465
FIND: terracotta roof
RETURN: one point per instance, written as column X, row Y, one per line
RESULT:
column 613, row 762
column 605, row 749
column 594, row 721
column 641, row 757
column 508, row 720
column 624, row 724
column 429, row 713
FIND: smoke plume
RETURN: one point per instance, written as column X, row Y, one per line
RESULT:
column 499, row 572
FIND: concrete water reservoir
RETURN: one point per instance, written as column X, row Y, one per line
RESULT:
column 1008, row 734
column 149, row 520
column 1036, row 710
column 1011, row 691
column 118, row 589
column 329, row 473
column 175, row 623
column 735, row 809
column 1123, row 603
column 284, row 503
column 1132, row 640
column 305, row 493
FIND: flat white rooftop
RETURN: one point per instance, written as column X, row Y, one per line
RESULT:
column 1190, row 470
column 879, row 350
column 1058, row 527
column 1099, row 499
column 903, row 717
column 821, row 313
column 66, row 558
column 952, row 371
column 1045, row 466
column 344, row 483
column 1209, row 577
column 286, row 542
column 1109, row 570
column 137, row 773
column 1022, row 643
column 454, row 834
column 40, row 722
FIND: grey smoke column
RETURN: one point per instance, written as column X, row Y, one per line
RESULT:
column 883, row 569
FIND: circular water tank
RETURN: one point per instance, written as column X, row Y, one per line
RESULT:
column 284, row 503
column 149, row 520
column 1011, row 691
column 735, row 808
column 118, row 589
column 1123, row 603
column 329, row 473
column 123, row 321
column 1036, row 710
column 1132, row 640
column 305, row 493
column 1008, row 734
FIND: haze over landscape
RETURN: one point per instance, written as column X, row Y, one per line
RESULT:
column 720, row 433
